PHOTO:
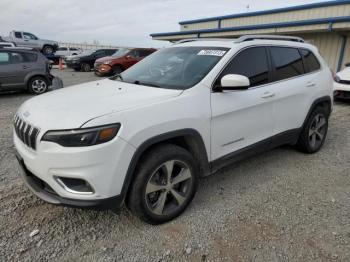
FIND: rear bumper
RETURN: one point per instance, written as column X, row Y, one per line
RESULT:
column 46, row 193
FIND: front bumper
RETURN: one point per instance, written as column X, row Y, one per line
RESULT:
column 341, row 91
column 41, row 189
column 103, row 167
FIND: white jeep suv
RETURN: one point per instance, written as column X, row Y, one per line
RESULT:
column 146, row 136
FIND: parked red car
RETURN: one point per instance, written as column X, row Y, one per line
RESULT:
column 120, row 60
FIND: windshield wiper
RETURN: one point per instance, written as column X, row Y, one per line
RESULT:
column 137, row 82
column 116, row 77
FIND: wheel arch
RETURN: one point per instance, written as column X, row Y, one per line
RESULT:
column 324, row 102
column 188, row 139
column 31, row 76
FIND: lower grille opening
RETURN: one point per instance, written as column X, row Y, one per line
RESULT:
column 41, row 183
column 75, row 185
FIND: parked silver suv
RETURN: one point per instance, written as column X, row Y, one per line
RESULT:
column 22, row 69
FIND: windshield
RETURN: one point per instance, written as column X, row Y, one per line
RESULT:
column 87, row 52
column 174, row 67
column 121, row 52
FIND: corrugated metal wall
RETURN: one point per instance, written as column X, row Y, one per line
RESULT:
column 314, row 13
column 329, row 45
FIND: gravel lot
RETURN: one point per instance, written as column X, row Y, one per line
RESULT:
column 279, row 206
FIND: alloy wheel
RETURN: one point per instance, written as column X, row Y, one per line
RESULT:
column 168, row 187
column 39, row 86
column 317, row 131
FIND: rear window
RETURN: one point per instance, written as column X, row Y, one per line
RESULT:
column 287, row 62
column 18, row 35
column 310, row 60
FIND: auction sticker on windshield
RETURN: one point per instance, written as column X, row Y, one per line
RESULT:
column 212, row 52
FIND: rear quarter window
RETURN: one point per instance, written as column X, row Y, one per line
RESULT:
column 310, row 61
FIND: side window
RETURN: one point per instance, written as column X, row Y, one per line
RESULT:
column 18, row 35
column 73, row 49
column 16, row 58
column 29, row 57
column 144, row 53
column 310, row 60
column 29, row 36
column 251, row 63
column 287, row 62
column 110, row 51
column 62, row 49
column 4, row 58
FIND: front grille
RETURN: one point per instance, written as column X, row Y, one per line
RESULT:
column 26, row 132
column 345, row 82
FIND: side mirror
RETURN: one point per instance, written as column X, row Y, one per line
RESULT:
column 234, row 82
column 128, row 56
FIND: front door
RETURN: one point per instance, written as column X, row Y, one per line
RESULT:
column 244, row 117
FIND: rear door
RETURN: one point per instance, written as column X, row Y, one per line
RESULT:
column 14, row 66
column 243, row 118
column 289, row 87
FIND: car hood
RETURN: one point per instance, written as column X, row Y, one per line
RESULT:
column 106, row 58
column 344, row 74
column 73, row 106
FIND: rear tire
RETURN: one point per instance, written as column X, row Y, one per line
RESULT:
column 314, row 132
column 38, row 85
column 85, row 67
column 165, row 183
column 48, row 50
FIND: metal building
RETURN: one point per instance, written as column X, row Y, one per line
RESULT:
column 325, row 24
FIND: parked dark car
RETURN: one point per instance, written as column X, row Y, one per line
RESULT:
column 23, row 69
column 85, row 61
column 120, row 60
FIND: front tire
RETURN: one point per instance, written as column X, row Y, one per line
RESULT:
column 38, row 85
column 165, row 183
column 314, row 132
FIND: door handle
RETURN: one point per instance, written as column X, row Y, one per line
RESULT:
column 25, row 67
column 268, row 95
column 310, row 84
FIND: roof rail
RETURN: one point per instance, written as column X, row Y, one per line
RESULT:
column 202, row 39
column 269, row 37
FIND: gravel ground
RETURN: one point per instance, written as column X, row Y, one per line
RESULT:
column 279, row 206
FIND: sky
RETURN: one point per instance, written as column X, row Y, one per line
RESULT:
column 116, row 22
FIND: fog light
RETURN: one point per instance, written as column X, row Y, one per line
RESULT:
column 75, row 185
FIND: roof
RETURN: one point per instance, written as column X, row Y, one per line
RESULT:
column 271, row 11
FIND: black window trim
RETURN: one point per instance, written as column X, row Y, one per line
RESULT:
column 306, row 67
column 269, row 63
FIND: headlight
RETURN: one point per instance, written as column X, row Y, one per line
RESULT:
column 107, row 62
column 82, row 136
